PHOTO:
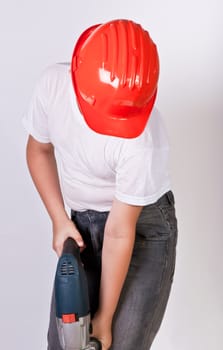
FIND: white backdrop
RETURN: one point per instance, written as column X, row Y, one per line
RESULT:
column 34, row 34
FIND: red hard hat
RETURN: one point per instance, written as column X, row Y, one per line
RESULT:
column 115, row 69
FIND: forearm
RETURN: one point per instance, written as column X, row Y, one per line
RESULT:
column 116, row 256
column 43, row 169
column 119, row 238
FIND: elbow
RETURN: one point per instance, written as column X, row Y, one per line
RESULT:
column 119, row 233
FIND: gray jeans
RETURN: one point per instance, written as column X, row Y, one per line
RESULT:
column 147, row 286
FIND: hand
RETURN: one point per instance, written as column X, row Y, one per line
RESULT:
column 101, row 330
column 63, row 229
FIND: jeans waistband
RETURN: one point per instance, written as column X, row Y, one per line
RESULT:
column 167, row 198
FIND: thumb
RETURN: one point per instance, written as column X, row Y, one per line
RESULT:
column 77, row 237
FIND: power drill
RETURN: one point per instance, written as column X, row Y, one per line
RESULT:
column 72, row 301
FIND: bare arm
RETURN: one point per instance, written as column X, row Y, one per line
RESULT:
column 117, row 250
column 43, row 169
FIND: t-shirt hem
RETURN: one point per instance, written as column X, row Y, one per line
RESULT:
column 142, row 201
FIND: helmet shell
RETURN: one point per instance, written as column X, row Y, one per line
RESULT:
column 115, row 70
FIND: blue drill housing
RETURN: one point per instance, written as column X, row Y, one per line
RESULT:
column 71, row 287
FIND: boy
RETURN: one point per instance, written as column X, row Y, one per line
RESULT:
column 99, row 118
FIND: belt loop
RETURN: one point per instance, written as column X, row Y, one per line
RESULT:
column 170, row 197
column 73, row 214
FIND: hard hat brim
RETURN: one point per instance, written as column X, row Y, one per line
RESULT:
column 125, row 127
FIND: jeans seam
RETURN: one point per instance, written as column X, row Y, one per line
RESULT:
column 162, row 290
column 90, row 232
column 165, row 217
column 164, row 265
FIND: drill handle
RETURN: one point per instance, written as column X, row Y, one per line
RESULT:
column 71, row 247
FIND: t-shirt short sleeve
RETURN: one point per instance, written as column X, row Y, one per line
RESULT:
column 142, row 169
column 139, row 181
column 35, row 117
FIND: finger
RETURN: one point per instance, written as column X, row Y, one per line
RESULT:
column 78, row 238
column 82, row 248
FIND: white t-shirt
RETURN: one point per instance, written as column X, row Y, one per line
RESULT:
column 95, row 168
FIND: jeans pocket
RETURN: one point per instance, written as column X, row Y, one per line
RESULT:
column 157, row 221
column 151, row 227
column 169, row 217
